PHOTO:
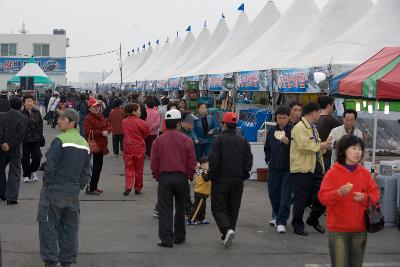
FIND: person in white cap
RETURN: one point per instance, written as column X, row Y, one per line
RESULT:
column 173, row 162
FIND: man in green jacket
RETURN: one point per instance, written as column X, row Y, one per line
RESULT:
column 67, row 172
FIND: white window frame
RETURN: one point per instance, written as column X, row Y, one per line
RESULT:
column 41, row 50
column 8, row 54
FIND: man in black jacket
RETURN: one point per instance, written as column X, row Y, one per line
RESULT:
column 32, row 141
column 12, row 129
column 277, row 156
column 230, row 162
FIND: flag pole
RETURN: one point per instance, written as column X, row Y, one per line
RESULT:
column 120, row 62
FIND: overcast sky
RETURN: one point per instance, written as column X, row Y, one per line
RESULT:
column 95, row 26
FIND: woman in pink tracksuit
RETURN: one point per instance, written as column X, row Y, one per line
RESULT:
column 153, row 122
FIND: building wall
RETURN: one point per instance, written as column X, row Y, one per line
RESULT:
column 58, row 44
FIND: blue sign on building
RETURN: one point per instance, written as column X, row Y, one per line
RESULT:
column 49, row 65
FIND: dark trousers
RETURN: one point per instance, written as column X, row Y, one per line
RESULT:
column 225, row 203
column 149, row 143
column 59, row 235
column 96, row 171
column 202, row 150
column 118, row 143
column 188, row 203
column 50, row 118
column 347, row 249
column 199, row 210
column 280, row 189
column 9, row 188
column 306, row 184
column 172, row 186
column 30, row 151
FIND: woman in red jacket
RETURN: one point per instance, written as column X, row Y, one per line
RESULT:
column 135, row 132
column 344, row 191
column 97, row 129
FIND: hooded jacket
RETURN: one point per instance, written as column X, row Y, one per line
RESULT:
column 344, row 214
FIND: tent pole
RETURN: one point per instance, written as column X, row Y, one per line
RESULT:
column 120, row 61
column 374, row 138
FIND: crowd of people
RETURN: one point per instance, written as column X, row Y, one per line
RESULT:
column 313, row 160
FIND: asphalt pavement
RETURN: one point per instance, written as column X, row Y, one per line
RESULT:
column 120, row 231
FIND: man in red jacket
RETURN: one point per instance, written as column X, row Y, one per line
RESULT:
column 173, row 162
column 116, row 116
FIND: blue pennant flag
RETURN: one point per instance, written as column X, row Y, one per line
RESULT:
column 144, row 46
column 241, row 8
column 133, row 50
column 177, row 33
column 189, row 29
column 205, row 23
column 138, row 49
column 149, row 43
column 223, row 16
column 158, row 41
column 129, row 53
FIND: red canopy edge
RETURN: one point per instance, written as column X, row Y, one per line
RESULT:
column 352, row 84
column 389, row 85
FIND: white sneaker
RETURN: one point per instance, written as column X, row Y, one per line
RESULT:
column 272, row 223
column 27, row 179
column 281, row 229
column 230, row 235
column 34, row 177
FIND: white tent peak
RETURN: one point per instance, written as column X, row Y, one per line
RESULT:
column 31, row 69
column 335, row 18
column 377, row 29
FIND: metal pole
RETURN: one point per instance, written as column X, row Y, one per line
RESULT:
column 120, row 63
column 374, row 137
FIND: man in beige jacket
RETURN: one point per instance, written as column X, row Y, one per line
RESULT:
column 307, row 168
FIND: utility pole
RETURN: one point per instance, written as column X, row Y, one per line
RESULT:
column 120, row 64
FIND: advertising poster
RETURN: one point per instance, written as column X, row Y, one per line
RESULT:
column 295, row 81
column 162, row 86
column 49, row 65
column 150, row 86
column 255, row 80
column 215, row 82
column 175, row 84
column 139, row 86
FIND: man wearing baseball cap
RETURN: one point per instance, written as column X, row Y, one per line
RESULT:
column 67, row 172
column 173, row 163
column 230, row 163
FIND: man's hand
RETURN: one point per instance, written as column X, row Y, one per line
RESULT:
column 5, row 147
column 196, row 141
column 105, row 133
column 210, row 132
column 325, row 145
column 285, row 140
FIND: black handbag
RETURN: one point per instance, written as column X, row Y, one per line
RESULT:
column 374, row 220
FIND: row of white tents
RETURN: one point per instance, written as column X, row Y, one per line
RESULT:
column 342, row 34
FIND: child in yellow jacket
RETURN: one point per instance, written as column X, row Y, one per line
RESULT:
column 202, row 190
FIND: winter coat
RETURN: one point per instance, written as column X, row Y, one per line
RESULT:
column 12, row 128
column 34, row 126
column 95, row 124
column 344, row 214
column 277, row 154
column 198, row 133
column 135, row 132
column 153, row 120
column 115, row 118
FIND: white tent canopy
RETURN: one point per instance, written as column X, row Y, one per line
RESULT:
column 216, row 39
column 170, row 65
column 245, row 36
column 139, row 63
column 31, row 69
column 201, row 41
column 377, row 29
column 335, row 18
column 227, row 49
column 255, row 57
column 150, row 63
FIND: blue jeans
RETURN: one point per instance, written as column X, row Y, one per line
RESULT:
column 347, row 249
column 202, row 150
column 280, row 189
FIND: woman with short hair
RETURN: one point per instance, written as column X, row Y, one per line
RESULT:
column 347, row 190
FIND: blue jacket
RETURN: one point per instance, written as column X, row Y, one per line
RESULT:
column 277, row 154
column 197, row 132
